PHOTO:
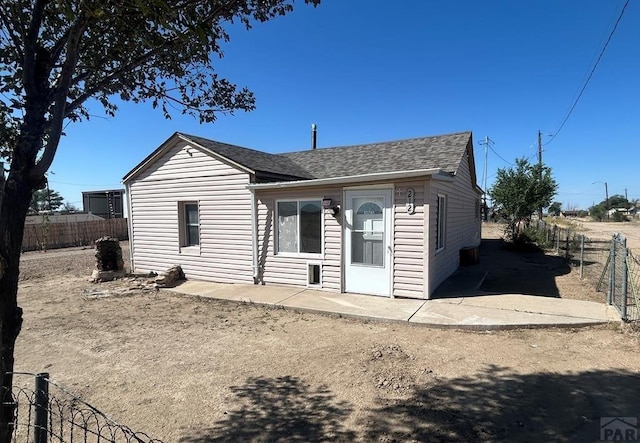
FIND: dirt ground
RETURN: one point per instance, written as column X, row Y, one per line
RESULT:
column 604, row 230
column 188, row 369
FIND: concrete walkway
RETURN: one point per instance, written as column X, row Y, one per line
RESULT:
column 467, row 311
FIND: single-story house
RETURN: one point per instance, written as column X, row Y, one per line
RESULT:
column 387, row 219
column 627, row 212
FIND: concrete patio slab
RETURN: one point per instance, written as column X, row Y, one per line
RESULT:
column 511, row 311
column 356, row 305
column 502, row 311
column 542, row 305
column 269, row 295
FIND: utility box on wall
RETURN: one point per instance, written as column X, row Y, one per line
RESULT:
column 106, row 204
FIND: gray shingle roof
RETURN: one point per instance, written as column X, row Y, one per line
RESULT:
column 442, row 152
column 438, row 152
column 257, row 161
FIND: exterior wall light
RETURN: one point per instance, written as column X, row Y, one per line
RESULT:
column 329, row 204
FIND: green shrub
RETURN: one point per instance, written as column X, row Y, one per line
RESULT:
column 619, row 217
column 531, row 235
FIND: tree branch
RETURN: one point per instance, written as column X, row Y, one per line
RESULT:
column 30, row 47
column 56, row 50
column 108, row 79
column 58, row 112
column 15, row 38
column 73, row 106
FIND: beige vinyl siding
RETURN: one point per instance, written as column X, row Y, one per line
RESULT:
column 186, row 174
column 462, row 222
column 291, row 269
column 409, row 243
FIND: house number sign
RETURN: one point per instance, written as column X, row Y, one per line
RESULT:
column 411, row 201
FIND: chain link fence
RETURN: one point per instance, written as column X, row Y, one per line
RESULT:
column 608, row 264
column 45, row 412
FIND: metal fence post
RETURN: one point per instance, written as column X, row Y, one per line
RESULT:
column 567, row 254
column 581, row 256
column 40, row 430
column 625, row 255
column 546, row 231
column 612, row 270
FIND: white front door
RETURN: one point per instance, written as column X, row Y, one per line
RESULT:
column 368, row 250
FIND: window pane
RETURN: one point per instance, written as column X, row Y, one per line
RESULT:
column 366, row 250
column 368, row 216
column 191, row 224
column 192, row 236
column 192, row 214
column 367, row 236
column 311, row 226
column 287, row 226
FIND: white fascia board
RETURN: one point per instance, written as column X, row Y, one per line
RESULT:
column 435, row 173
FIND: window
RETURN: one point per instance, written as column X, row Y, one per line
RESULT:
column 300, row 226
column 189, row 224
column 441, row 216
column 367, row 234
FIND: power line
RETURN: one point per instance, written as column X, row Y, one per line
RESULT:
column 500, row 157
column 604, row 48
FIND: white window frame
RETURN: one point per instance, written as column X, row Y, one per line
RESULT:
column 441, row 222
column 183, row 228
column 276, row 246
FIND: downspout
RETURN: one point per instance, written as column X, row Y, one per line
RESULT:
column 254, row 235
column 130, row 225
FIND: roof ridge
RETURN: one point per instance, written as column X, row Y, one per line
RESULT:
column 379, row 142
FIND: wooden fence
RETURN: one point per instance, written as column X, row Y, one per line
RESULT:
column 47, row 235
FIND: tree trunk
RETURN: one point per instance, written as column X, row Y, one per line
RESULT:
column 15, row 198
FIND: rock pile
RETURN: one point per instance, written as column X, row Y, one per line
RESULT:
column 108, row 254
column 109, row 263
column 170, row 277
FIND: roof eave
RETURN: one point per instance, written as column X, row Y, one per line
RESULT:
column 435, row 173
column 150, row 158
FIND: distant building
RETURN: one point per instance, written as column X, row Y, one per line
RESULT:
column 106, row 204
column 627, row 212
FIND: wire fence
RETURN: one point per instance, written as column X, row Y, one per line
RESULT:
column 46, row 412
column 608, row 264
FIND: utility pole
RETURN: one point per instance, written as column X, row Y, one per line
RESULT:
column 540, row 168
column 486, row 143
column 606, row 196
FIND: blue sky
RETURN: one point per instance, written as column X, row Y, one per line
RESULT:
column 367, row 71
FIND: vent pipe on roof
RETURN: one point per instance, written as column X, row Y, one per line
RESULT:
column 313, row 136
